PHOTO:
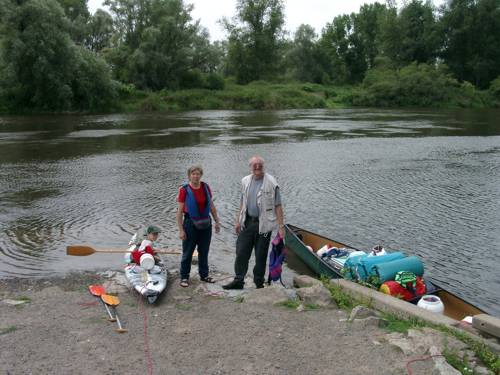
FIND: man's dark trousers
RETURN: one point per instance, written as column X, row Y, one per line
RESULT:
column 248, row 239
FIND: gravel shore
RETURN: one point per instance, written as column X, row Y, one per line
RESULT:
column 62, row 329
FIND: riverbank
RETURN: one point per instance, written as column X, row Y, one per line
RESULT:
column 58, row 327
column 262, row 95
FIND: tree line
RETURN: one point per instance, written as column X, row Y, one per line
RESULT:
column 55, row 55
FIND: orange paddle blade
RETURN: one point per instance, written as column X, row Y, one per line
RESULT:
column 79, row 250
column 97, row 290
column 110, row 300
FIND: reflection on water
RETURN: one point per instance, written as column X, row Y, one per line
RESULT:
column 426, row 182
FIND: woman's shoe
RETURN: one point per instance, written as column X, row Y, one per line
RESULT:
column 207, row 279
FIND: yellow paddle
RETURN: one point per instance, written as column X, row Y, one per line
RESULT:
column 82, row 250
column 114, row 301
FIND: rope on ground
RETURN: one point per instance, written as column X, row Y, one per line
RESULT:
column 147, row 352
column 408, row 369
column 86, row 305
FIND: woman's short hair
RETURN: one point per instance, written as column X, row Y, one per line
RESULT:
column 195, row 168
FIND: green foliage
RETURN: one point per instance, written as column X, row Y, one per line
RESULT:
column 456, row 361
column 23, row 298
column 343, row 300
column 127, row 90
column 78, row 15
column 100, row 31
column 311, row 306
column 192, row 79
column 214, row 81
column 255, row 40
column 257, row 95
column 43, row 69
column 4, row 331
column 490, row 359
column 418, row 36
column 159, row 46
column 495, row 88
column 472, row 32
column 303, row 55
column 415, row 85
column 290, row 304
column 397, row 324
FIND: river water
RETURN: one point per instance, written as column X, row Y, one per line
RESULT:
column 426, row 182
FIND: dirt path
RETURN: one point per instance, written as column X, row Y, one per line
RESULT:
column 63, row 330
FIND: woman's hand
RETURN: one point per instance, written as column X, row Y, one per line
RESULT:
column 182, row 234
column 237, row 228
column 217, row 227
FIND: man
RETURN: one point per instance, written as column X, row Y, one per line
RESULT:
column 260, row 213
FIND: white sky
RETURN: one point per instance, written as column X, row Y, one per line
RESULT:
column 313, row 12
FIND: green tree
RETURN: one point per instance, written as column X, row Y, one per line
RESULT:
column 368, row 27
column 100, row 31
column 303, row 55
column 471, row 31
column 255, row 39
column 78, row 15
column 344, row 56
column 42, row 68
column 419, row 39
column 412, row 34
column 157, row 43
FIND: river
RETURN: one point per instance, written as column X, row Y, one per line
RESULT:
column 425, row 182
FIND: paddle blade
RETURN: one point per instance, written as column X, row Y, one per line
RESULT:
column 110, row 300
column 79, row 250
column 97, row 290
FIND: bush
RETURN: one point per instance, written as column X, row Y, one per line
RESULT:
column 126, row 90
column 415, row 85
column 495, row 88
column 192, row 79
column 214, row 81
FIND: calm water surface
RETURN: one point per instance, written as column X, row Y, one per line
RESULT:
column 426, row 182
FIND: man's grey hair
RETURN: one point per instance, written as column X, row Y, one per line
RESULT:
column 255, row 158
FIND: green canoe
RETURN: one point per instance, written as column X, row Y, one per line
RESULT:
column 297, row 240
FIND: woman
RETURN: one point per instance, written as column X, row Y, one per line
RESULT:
column 195, row 204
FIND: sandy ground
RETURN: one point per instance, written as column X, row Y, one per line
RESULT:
column 63, row 330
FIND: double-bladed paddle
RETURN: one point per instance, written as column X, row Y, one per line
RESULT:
column 82, row 250
column 98, row 291
column 114, row 301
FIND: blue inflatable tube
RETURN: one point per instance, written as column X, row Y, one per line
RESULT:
column 387, row 271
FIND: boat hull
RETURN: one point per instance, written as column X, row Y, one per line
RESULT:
column 297, row 240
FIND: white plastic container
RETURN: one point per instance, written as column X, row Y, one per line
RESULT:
column 147, row 261
column 431, row 303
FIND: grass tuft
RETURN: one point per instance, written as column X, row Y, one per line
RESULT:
column 4, row 331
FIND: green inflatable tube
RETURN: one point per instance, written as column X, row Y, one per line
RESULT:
column 387, row 271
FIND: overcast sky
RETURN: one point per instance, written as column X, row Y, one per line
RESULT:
column 313, row 12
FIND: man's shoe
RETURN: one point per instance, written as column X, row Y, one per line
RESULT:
column 259, row 286
column 235, row 284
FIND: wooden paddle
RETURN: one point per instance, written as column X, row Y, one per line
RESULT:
column 114, row 301
column 98, row 291
column 82, row 250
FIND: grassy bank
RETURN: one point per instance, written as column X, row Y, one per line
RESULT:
column 261, row 95
column 271, row 96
